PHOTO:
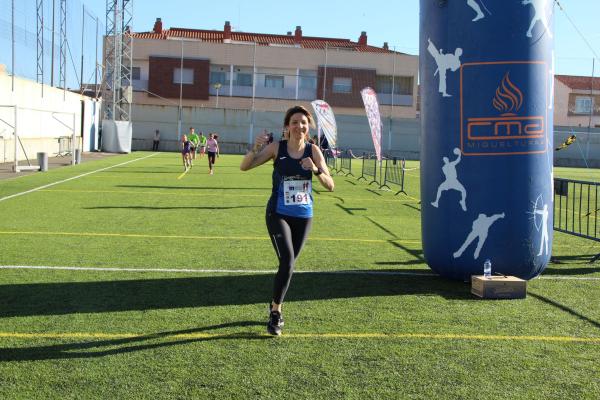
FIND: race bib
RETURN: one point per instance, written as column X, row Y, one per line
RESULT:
column 297, row 192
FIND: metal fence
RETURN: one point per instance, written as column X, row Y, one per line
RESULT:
column 576, row 208
column 393, row 173
column 346, row 164
column 369, row 169
column 390, row 171
column 54, row 42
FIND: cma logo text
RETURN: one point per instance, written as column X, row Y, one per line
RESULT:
column 499, row 124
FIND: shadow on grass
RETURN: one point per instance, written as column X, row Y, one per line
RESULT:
column 383, row 228
column 564, row 308
column 571, row 271
column 563, row 265
column 62, row 298
column 417, row 254
column 571, row 258
column 172, row 171
column 169, row 208
column 351, row 210
column 96, row 348
column 413, row 207
column 192, row 187
column 374, row 192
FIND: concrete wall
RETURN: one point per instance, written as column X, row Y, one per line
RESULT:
column 233, row 127
column 585, row 151
column 43, row 118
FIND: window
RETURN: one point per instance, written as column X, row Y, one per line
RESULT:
column 583, row 105
column 218, row 77
column 274, row 81
column 383, row 84
column 402, row 85
column 307, row 80
column 342, row 85
column 135, row 73
column 184, row 76
column 243, row 79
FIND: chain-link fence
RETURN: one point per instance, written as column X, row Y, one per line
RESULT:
column 55, row 42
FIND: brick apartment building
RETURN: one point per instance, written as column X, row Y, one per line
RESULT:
column 269, row 72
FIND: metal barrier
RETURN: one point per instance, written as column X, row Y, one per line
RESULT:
column 346, row 163
column 331, row 162
column 369, row 169
column 387, row 171
column 576, row 209
column 64, row 146
column 394, row 173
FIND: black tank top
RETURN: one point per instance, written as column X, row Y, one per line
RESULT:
column 286, row 168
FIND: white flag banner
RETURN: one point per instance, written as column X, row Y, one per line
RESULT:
column 372, row 108
column 326, row 121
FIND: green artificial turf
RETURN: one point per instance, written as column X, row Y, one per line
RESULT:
column 174, row 332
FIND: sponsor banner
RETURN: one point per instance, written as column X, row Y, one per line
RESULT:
column 326, row 121
column 372, row 109
column 514, row 119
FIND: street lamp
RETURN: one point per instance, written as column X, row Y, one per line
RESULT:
column 217, row 86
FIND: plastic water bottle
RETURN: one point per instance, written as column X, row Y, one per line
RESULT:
column 487, row 269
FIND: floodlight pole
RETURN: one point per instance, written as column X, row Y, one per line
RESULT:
column 96, row 64
column 180, row 94
column 16, row 140
column 52, row 45
column 12, row 16
column 392, row 105
column 217, row 86
column 587, row 147
column 325, row 73
column 251, row 132
column 82, row 45
column 73, row 147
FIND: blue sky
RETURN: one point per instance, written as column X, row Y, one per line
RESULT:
column 392, row 21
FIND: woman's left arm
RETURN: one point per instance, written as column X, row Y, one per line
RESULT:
column 317, row 163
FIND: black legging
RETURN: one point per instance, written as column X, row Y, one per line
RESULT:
column 211, row 159
column 288, row 235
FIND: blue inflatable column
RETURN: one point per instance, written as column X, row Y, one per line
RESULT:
column 486, row 73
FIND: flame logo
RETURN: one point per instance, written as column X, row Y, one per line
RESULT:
column 508, row 97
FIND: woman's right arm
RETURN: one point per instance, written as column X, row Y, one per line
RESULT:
column 259, row 154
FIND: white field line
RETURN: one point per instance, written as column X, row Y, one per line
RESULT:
column 256, row 271
column 71, row 178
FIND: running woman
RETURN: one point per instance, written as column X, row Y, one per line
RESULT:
column 213, row 150
column 290, row 208
column 202, row 144
column 186, row 147
column 195, row 140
